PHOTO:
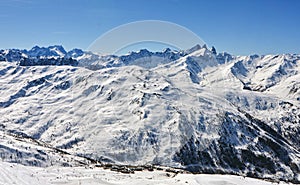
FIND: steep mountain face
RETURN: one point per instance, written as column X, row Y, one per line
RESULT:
column 194, row 109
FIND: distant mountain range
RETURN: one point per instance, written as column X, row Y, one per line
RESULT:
column 196, row 109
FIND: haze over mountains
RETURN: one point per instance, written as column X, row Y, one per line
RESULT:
column 196, row 109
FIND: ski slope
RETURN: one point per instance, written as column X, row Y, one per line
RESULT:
column 24, row 175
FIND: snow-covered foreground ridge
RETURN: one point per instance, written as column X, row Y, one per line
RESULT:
column 24, row 175
column 196, row 109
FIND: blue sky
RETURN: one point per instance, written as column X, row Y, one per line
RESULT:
column 239, row 27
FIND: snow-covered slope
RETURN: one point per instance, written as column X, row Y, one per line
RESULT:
column 190, row 109
column 18, row 174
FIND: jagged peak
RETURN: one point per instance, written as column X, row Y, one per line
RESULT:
column 55, row 51
column 35, row 47
column 193, row 49
column 198, row 47
column 75, row 53
column 142, row 51
column 166, row 50
column 59, row 47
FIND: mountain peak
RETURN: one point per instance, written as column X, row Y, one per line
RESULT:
column 58, row 47
column 35, row 47
column 144, row 51
column 166, row 50
column 193, row 49
column 51, row 51
column 74, row 53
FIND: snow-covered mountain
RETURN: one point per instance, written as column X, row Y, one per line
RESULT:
column 51, row 51
column 193, row 109
column 52, row 55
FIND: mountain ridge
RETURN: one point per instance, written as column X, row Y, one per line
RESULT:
column 200, row 111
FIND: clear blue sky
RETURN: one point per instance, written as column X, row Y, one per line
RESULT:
column 237, row 26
